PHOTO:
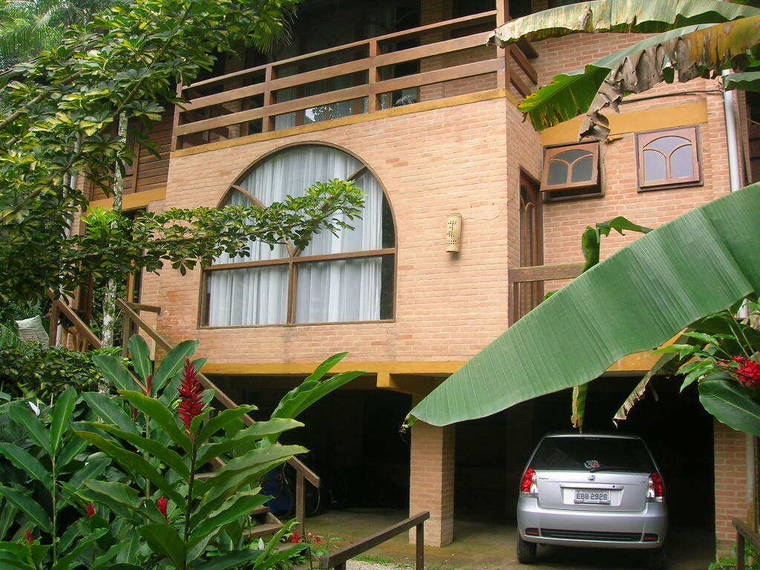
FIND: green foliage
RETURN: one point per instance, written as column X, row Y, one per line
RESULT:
column 634, row 300
column 751, row 560
column 30, row 368
column 58, row 125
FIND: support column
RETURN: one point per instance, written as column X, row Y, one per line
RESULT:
column 432, row 481
column 734, row 483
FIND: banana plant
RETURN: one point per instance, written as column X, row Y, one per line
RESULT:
column 55, row 526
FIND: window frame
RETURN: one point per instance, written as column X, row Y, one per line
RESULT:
column 294, row 258
column 551, row 152
column 691, row 133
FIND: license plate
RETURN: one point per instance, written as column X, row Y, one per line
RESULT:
column 592, row 497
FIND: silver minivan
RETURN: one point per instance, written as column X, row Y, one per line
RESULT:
column 593, row 490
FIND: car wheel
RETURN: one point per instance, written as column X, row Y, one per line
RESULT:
column 526, row 551
column 657, row 559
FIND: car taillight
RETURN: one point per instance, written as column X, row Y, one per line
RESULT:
column 528, row 483
column 656, row 489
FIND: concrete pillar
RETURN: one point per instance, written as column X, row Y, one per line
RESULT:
column 431, row 486
column 735, row 494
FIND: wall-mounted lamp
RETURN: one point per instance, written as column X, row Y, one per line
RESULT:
column 453, row 233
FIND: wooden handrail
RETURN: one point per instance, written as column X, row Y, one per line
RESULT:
column 544, row 272
column 86, row 338
column 339, row 558
column 743, row 534
column 218, row 119
column 393, row 35
column 222, row 397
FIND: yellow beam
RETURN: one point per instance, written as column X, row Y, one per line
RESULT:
column 632, row 122
column 132, row 201
column 443, row 368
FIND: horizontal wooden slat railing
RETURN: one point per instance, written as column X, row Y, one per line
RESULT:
column 303, row 473
column 743, row 534
column 339, row 558
column 226, row 103
column 535, row 274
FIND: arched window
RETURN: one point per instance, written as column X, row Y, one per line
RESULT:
column 338, row 278
column 571, row 168
column 668, row 158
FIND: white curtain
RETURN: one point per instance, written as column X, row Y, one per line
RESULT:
column 327, row 291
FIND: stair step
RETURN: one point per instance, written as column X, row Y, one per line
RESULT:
column 262, row 510
column 263, row 530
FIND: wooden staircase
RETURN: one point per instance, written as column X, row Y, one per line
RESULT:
column 76, row 335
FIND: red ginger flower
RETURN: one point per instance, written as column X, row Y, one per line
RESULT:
column 191, row 405
column 295, row 538
column 149, row 386
column 162, row 503
column 748, row 372
column 90, row 510
column 29, row 538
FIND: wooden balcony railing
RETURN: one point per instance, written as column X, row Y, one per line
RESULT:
column 523, row 293
column 744, row 534
column 311, row 87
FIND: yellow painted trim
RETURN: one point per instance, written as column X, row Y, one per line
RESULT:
column 132, row 201
column 353, row 119
column 631, row 122
column 639, row 362
column 382, row 369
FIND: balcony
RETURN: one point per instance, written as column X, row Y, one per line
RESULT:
column 434, row 61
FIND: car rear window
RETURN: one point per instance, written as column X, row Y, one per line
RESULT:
column 592, row 454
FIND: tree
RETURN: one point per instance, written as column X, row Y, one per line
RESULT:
column 647, row 292
column 28, row 27
column 63, row 112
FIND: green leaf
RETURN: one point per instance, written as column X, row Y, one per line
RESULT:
column 91, row 470
column 164, row 539
column 115, row 372
column 20, row 413
column 108, row 408
column 173, row 362
column 159, row 413
column 643, row 16
column 83, row 544
column 241, row 507
column 133, row 463
column 62, row 411
column 234, row 559
column 746, row 81
column 222, row 420
column 246, row 438
column 164, row 454
column 141, row 362
column 636, row 299
column 24, row 461
column 731, row 405
column 638, row 392
column 30, row 507
column 7, row 516
column 70, row 451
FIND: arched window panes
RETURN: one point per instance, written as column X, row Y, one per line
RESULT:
column 668, row 158
column 571, row 167
column 346, row 277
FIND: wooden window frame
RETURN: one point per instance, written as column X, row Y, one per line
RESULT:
column 551, row 152
column 293, row 260
column 643, row 139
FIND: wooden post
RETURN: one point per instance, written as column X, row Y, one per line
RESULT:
column 502, row 17
column 374, row 50
column 420, row 546
column 53, row 329
column 300, row 500
column 267, row 121
column 739, row 551
column 176, row 121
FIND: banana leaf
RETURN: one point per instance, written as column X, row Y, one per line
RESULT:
column 635, row 300
column 746, row 81
column 693, row 51
column 644, row 16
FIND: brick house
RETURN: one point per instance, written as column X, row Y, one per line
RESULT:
column 406, row 98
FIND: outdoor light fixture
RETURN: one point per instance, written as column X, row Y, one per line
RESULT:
column 453, row 233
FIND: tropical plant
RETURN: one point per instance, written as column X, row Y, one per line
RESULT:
column 698, row 264
column 55, row 525
column 699, row 39
column 31, row 26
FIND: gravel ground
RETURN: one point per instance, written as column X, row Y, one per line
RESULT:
column 355, row 565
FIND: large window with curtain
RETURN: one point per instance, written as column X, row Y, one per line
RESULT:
column 347, row 277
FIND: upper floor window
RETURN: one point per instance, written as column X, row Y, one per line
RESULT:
column 336, row 278
column 571, row 171
column 668, row 159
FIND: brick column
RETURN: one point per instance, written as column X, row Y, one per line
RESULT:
column 431, row 485
column 734, row 484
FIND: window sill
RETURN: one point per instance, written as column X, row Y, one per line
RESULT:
column 294, row 325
